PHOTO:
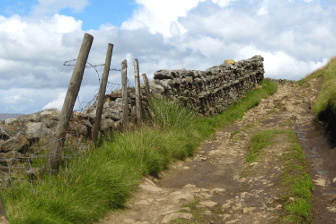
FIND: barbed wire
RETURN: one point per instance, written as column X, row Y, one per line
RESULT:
column 93, row 66
column 96, row 95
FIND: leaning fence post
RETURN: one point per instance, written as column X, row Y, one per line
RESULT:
column 144, row 77
column 69, row 102
column 137, row 91
column 148, row 95
column 124, row 91
column 102, row 90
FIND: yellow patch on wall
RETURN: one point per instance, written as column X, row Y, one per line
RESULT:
column 229, row 61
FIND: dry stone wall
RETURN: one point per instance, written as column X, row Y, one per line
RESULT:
column 210, row 91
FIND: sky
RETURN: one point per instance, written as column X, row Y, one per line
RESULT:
column 295, row 37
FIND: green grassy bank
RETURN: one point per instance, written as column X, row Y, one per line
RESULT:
column 107, row 175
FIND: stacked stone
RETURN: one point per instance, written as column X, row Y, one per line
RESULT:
column 213, row 90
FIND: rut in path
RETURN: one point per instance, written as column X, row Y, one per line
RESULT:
column 218, row 180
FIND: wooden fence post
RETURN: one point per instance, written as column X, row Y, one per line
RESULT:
column 99, row 108
column 137, row 91
column 148, row 94
column 144, row 77
column 69, row 102
column 124, row 92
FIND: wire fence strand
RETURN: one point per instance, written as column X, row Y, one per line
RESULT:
column 76, row 150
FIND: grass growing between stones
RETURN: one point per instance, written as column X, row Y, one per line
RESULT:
column 258, row 142
column 108, row 174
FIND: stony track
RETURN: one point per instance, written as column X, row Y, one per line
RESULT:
column 218, row 183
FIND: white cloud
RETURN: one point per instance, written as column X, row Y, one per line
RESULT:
column 133, row 25
column 12, row 25
column 54, row 6
column 174, row 29
column 158, row 15
column 294, row 37
column 58, row 103
column 281, row 65
column 262, row 11
column 65, row 24
column 287, row 39
column 12, row 99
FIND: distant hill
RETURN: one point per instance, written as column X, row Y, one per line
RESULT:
column 6, row 116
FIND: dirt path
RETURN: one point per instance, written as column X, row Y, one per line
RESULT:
column 222, row 188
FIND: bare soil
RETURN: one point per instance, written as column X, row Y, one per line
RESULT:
column 222, row 188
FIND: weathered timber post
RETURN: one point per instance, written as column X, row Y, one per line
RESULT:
column 3, row 215
column 69, row 102
column 102, row 90
column 124, row 92
column 148, row 94
column 137, row 91
column 144, row 77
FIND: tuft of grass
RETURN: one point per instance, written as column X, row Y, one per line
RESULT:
column 172, row 114
column 258, row 142
column 300, row 208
